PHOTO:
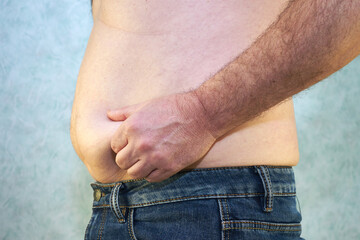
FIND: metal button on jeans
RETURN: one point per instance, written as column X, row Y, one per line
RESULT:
column 97, row 194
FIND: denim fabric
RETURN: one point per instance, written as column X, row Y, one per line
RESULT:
column 215, row 203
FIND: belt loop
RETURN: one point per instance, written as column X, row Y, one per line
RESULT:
column 263, row 171
column 114, row 202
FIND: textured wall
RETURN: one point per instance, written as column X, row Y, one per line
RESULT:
column 45, row 191
column 328, row 175
column 44, row 186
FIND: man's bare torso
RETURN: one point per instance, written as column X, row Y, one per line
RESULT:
column 142, row 49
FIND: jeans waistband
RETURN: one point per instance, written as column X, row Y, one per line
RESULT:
column 226, row 182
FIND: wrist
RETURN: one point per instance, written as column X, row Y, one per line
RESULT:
column 201, row 115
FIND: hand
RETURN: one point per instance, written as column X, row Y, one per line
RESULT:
column 160, row 137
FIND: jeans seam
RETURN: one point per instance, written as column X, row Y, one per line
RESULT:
column 221, row 210
column 101, row 228
column 224, row 217
column 291, row 227
column 228, row 216
column 221, row 219
column 267, row 224
column 227, row 209
column 266, row 229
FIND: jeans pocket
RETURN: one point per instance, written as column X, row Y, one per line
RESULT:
column 244, row 218
column 249, row 229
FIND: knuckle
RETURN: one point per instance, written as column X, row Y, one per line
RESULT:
column 158, row 156
column 131, row 126
column 144, row 145
column 122, row 165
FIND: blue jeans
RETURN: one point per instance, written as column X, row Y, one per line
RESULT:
column 215, row 203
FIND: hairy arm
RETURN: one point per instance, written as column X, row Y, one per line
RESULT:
column 310, row 40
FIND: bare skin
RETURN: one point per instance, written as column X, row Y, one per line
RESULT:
column 311, row 40
column 140, row 57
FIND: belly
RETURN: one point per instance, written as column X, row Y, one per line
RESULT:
column 139, row 54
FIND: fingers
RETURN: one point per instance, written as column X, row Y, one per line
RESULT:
column 119, row 139
column 123, row 113
column 136, row 167
column 125, row 158
column 118, row 115
column 140, row 169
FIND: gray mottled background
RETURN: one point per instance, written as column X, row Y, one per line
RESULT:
column 45, row 192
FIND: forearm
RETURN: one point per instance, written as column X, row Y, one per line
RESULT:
column 310, row 40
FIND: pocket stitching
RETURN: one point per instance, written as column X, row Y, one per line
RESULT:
column 102, row 223
column 290, row 227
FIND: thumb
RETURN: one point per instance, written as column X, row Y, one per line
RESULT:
column 120, row 114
